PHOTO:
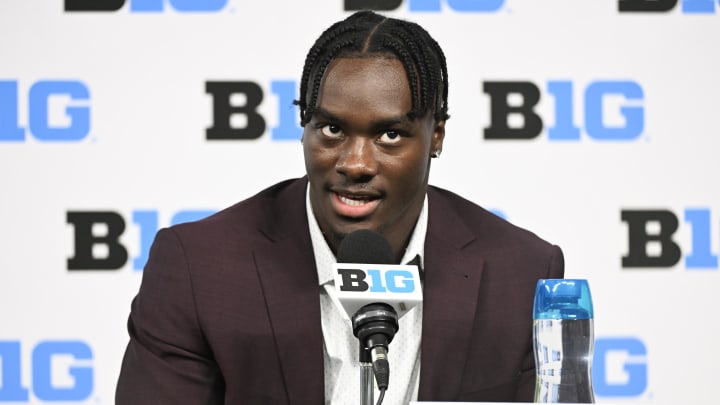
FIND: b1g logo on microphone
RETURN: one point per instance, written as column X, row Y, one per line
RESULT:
column 97, row 237
column 59, row 371
column 688, row 6
column 461, row 6
column 651, row 243
column 620, row 367
column 513, row 116
column 360, row 284
column 144, row 6
column 57, row 111
column 235, row 111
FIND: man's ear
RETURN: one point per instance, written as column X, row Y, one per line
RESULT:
column 438, row 136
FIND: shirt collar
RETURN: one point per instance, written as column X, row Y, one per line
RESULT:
column 324, row 258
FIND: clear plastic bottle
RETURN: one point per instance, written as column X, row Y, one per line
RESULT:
column 563, row 339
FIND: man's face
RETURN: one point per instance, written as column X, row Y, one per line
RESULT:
column 367, row 162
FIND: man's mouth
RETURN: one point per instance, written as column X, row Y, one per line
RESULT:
column 353, row 205
column 354, row 201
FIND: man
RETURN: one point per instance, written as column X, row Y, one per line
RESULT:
column 239, row 308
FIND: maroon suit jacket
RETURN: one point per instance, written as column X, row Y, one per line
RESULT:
column 229, row 311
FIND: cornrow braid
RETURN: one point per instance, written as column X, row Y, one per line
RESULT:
column 368, row 34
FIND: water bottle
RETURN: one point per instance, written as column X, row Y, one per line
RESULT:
column 563, row 340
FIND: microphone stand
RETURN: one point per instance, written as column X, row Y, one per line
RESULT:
column 367, row 390
column 375, row 326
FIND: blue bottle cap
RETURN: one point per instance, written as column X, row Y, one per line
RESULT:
column 562, row 299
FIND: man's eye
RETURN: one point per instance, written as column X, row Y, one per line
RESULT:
column 332, row 131
column 390, row 137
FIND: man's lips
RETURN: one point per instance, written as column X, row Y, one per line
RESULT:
column 354, row 205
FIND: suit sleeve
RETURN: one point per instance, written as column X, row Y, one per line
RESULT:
column 167, row 360
column 526, row 386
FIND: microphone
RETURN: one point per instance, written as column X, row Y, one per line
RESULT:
column 374, row 293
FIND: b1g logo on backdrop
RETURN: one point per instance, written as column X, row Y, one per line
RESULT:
column 235, row 110
column 144, row 6
column 620, row 367
column 513, row 116
column 97, row 237
column 463, row 6
column 60, row 370
column 688, row 6
column 57, row 111
column 651, row 241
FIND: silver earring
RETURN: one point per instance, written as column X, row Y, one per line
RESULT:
column 436, row 154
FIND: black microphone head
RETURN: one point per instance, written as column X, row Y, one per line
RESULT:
column 365, row 246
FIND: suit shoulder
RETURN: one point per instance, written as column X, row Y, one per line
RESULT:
column 472, row 214
column 245, row 218
column 498, row 241
column 482, row 222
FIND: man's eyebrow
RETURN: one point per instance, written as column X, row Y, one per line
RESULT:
column 377, row 124
column 327, row 115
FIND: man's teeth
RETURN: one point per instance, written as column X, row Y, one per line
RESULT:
column 349, row 201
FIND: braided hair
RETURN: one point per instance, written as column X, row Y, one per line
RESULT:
column 368, row 34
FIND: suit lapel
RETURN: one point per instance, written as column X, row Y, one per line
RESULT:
column 286, row 269
column 450, row 296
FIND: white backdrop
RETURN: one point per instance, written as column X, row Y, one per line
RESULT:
column 138, row 80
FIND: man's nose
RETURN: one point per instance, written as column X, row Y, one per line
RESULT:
column 357, row 159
